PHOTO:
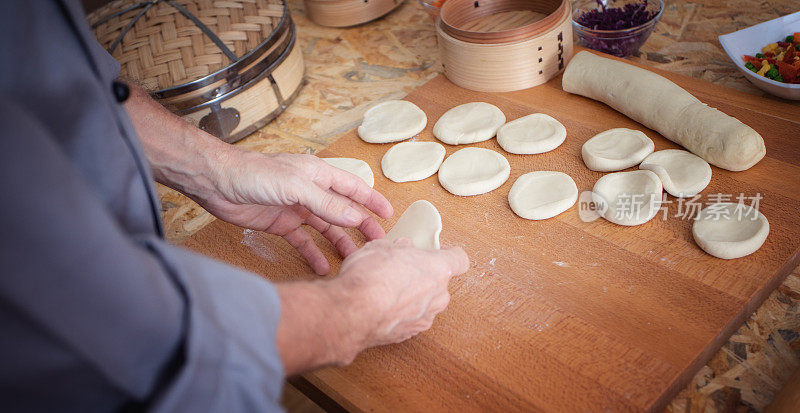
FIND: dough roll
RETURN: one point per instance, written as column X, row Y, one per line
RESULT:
column 659, row 104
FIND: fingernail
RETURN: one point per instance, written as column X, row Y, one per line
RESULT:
column 352, row 215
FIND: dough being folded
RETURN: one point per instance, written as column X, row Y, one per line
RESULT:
column 659, row 104
column 421, row 223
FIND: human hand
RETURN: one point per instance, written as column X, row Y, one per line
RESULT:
column 391, row 291
column 278, row 193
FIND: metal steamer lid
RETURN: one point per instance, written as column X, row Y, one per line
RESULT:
column 193, row 53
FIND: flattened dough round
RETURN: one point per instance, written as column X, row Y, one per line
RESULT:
column 473, row 171
column 356, row 167
column 421, row 223
column 542, row 194
column 682, row 173
column 536, row 133
column 730, row 230
column 412, row 161
column 392, row 121
column 628, row 198
column 469, row 123
column 616, row 149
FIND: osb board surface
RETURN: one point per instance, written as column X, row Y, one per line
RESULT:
column 573, row 315
column 349, row 69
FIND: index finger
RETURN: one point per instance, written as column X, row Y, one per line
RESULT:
column 353, row 187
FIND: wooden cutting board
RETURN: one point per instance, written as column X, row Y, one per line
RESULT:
column 561, row 314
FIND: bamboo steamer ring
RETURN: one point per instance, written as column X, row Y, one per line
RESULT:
column 500, row 45
column 227, row 67
column 345, row 13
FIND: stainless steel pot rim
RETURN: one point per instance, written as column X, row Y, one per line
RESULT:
column 203, row 101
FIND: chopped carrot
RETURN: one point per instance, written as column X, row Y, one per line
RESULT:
column 787, row 71
column 748, row 58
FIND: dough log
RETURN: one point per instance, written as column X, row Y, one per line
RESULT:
column 659, row 104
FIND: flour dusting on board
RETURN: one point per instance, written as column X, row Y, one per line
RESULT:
column 258, row 245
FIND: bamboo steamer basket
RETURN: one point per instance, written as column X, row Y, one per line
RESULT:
column 344, row 13
column 228, row 67
column 504, row 45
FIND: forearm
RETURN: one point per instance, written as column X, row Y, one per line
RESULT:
column 315, row 329
column 181, row 156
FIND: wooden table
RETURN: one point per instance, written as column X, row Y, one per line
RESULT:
column 347, row 69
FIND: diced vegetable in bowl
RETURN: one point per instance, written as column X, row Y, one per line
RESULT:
column 779, row 61
column 762, row 54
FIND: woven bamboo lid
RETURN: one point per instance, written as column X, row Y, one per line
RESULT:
column 166, row 44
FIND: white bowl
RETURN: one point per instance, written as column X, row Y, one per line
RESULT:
column 751, row 40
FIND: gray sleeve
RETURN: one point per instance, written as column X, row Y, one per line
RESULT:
column 108, row 65
column 155, row 321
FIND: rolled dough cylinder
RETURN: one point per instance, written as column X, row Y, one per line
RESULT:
column 659, row 104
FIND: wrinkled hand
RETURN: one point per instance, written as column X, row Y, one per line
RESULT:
column 279, row 193
column 391, row 291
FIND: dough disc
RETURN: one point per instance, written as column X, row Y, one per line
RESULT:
column 682, row 173
column 412, row 161
column 628, row 198
column 542, row 194
column 469, row 123
column 392, row 121
column 536, row 133
column 473, row 171
column 356, row 167
column 729, row 230
column 616, row 149
column 421, row 223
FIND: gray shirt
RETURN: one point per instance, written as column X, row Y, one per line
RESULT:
column 97, row 311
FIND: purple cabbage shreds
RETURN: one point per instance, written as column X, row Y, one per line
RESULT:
column 616, row 18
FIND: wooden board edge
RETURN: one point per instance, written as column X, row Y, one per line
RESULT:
column 753, row 303
column 316, row 395
column 321, row 394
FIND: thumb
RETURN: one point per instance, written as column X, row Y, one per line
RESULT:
column 454, row 259
column 330, row 206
